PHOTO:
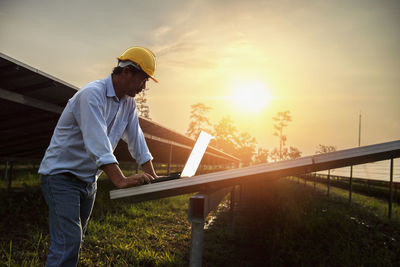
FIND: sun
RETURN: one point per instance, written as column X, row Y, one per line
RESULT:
column 250, row 96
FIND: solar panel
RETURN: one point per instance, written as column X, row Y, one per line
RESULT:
column 342, row 158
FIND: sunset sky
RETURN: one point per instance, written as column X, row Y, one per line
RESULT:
column 324, row 61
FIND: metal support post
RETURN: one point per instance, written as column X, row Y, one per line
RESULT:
column 196, row 216
column 199, row 207
column 391, row 189
column 328, row 182
column 350, row 183
column 169, row 160
column 196, row 245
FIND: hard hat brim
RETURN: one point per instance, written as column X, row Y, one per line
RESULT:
column 130, row 63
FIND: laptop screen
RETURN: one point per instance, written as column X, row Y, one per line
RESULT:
column 196, row 155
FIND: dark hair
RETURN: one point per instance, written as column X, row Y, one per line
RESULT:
column 118, row 70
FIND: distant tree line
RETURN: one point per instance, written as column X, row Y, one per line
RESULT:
column 321, row 149
column 241, row 144
column 227, row 138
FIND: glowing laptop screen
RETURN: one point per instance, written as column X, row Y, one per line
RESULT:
column 196, row 155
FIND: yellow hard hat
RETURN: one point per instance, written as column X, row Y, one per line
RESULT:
column 143, row 57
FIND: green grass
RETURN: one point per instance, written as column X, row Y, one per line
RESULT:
column 377, row 205
column 282, row 223
column 147, row 233
column 120, row 233
column 376, row 188
column 288, row 224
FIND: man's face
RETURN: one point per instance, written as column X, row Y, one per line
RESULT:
column 135, row 82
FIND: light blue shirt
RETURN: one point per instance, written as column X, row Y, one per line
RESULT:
column 90, row 128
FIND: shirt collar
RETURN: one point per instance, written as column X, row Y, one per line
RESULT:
column 110, row 88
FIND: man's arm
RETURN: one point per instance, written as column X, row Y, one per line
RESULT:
column 120, row 181
column 148, row 168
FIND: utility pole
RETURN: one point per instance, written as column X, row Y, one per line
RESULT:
column 359, row 130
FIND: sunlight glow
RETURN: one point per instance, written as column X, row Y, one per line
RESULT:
column 251, row 96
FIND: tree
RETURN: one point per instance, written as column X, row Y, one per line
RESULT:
column 293, row 153
column 324, row 149
column 281, row 122
column 285, row 154
column 275, row 155
column 261, row 156
column 141, row 104
column 245, row 148
column 198, row 120
column 227, row 139
column 225, row 133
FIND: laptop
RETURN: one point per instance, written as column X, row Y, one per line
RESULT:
column 192, row 162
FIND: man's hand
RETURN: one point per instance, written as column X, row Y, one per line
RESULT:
column 138, row 179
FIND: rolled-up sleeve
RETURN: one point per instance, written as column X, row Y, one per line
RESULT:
column 88, row 113
column 133, row 135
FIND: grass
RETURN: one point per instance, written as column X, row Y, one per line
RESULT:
column 147, row 233
column 287, row 224
column 376, row 188
column 120, row 233
column 377, row 204
column 281, row 223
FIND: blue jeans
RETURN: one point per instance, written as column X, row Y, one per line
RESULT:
column 70, row 203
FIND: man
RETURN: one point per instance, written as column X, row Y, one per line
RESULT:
column 82, row 146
